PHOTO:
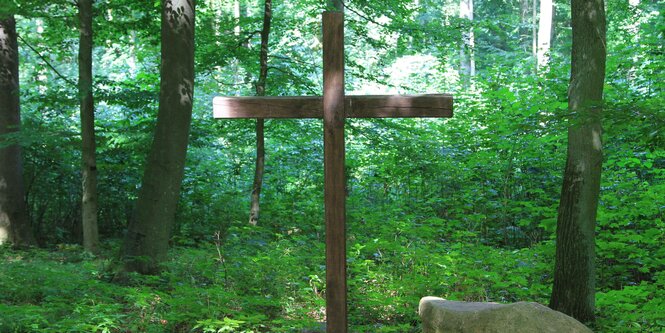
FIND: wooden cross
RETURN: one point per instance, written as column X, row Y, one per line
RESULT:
column 334, row 107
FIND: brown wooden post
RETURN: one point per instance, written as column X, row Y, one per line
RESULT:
column 335, row 182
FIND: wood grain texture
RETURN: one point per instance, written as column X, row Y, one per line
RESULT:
column 333, row 161
column 377, row 106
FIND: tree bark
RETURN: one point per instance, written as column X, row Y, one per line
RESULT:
column 14, row 219
column 89, row 163
column 544, row 33
column 260, row 123
column 573, row 292
column 146, row 243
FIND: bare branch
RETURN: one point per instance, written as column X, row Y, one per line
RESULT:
column 293, row 60
column 249, row 36
column 47, row 62
column 296, row 79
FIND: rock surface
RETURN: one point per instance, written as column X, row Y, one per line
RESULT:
column 442, row 316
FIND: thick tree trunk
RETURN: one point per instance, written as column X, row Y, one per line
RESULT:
column 573, row 292
column 467, row 58
column 89, row 163
column 260, row 123
column 146, row 243
column 14, row 220
column 544, row 32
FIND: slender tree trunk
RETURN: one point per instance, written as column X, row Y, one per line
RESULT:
column 14, row 219
column 524, row 22
column 146, row 243
column 573, row 292
column 258, row 173
column 544, row 32
column 263, row 54
column 534, row 34
column 260, row 123
column 237, row 14
column 89, row 165
column 467, row 58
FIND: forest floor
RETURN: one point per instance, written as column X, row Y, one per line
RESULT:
column 251, row 280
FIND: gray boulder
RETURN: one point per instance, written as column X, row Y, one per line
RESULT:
column 442, row 316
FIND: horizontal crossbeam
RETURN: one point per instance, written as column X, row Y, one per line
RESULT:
column 390, row 106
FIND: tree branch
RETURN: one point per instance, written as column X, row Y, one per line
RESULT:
column 249, row 36
column 296, row 79
column 47, row 62
column 365, row 17
column 229, row 84
column 293, row 60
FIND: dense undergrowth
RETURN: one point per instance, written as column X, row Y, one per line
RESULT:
column 463, row 208
column 253, row 280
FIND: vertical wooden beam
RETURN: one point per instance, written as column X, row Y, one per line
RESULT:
column 335, row 182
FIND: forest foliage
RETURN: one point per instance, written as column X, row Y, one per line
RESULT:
column 462, row 208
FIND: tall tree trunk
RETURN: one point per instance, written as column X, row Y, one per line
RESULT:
column 573, row 292
column 534, row 34
column 89, row 163
column 146, row 243
column 260, row 123
column 525, row 6
column 237, row 15
column 544, row 32
column 467, row 58
column 14, row 219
